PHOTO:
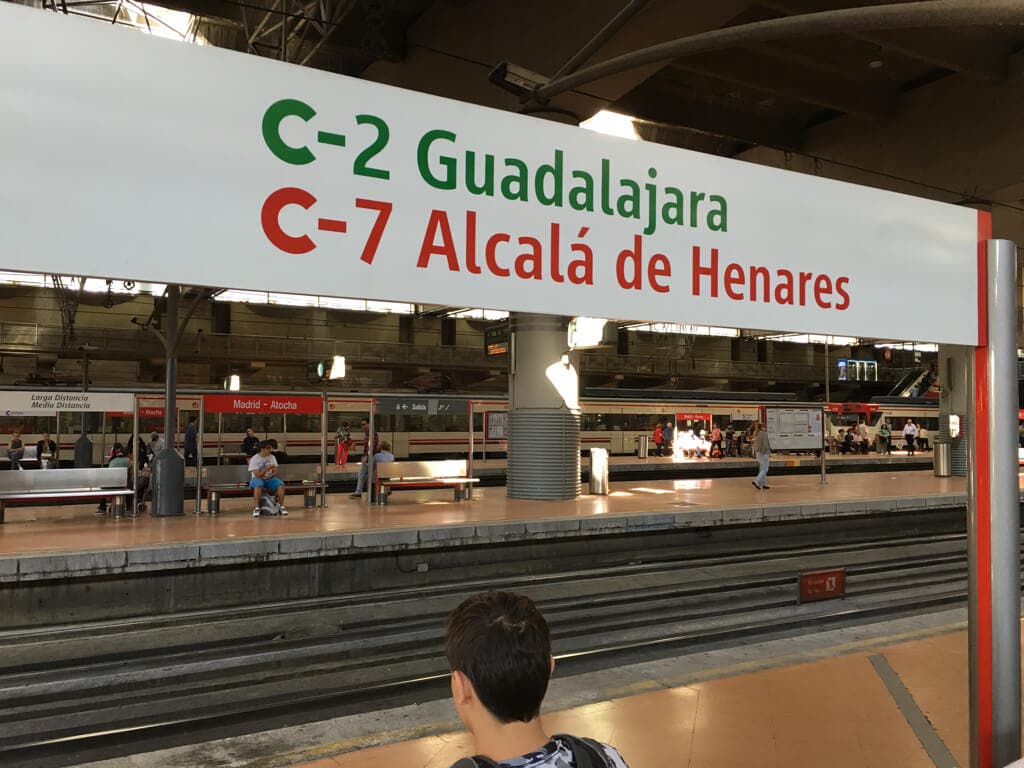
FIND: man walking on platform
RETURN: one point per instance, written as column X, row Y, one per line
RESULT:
column 499, row 650
column 762, row 452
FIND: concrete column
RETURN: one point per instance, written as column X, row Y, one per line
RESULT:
column 955, row 398
column 544, row 418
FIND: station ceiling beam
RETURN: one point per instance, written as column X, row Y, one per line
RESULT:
column 657, row 103
column 793, row 81
column 959, row 53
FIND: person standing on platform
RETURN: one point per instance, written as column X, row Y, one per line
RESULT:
column 250, row 443
column 155, row 445
column 910, row 436
column 343, row 441
column 884, row 434
column 16, row 449
column 191, row 442
column 658, row 437
column 499, row 649
column 922, row 439
column 667, row 435
column 762, row 452
column 716, row 442
column 46, row 452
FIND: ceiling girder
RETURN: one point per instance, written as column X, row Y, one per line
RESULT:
column 969, row 56
column 654, row 104
column 793, row 81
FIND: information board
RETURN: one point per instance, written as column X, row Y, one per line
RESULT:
column 794, row 429
column 497, row 425
column 343, row 187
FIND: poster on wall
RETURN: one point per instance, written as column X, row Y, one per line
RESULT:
column 794, row 429
column 497, row 425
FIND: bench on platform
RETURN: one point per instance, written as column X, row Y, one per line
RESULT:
column 39, row 485
column 234, row 479
column 422, row 474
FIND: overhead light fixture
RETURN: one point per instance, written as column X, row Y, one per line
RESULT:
column 876, row 64
column 233, row 383
column 337, row 368
column 586, row 332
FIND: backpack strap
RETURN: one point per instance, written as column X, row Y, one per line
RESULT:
column 477, row 761
column 586, row 753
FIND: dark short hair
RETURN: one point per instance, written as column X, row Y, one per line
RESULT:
column 500, row 641
column 265, row 444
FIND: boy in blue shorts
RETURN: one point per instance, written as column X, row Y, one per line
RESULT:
column 263, row 467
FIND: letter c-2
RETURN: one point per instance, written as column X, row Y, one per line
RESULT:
column 272, row 119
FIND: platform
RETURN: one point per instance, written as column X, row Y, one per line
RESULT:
column 902, row 704
column 64, row 542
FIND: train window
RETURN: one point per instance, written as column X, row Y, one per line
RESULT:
column 302, row 422
column 262, row 423
column 354, row 419
column 29, row 425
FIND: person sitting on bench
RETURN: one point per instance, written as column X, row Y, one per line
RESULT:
column 263, row 467
column 46, row 452
column 384, row 454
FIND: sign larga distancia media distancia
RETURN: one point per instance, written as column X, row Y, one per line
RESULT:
column 282, row 178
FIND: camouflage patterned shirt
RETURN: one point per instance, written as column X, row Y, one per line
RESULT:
column 557, row 754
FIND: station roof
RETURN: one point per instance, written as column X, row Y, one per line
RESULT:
column 722, row 101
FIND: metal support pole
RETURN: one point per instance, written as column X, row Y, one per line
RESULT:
column 199, row 456
column 135, row 454
column 323, row 451
column 168, row 477
column 994, row 519
column 825, row 419
column 170, row 388
column 469, row 463
column 369, row 451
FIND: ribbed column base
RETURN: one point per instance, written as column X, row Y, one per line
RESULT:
column 543, row 454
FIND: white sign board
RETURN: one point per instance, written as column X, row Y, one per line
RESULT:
column 230, row 170
column 794, row 429
column 49, row 403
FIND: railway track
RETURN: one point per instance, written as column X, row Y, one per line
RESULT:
column 102, row 685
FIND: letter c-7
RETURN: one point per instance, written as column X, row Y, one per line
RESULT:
column 272, row 119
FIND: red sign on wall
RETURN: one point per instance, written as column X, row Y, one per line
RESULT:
column 822, row 585
column 693, row 417
column 305, row 404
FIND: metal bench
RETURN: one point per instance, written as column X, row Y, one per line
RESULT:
column 234, row 478
column 422, row 474
column 39, row 485
column 30, row 460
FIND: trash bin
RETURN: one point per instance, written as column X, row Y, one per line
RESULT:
column 641, row 446
column 943, row 460
column 599, row 471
